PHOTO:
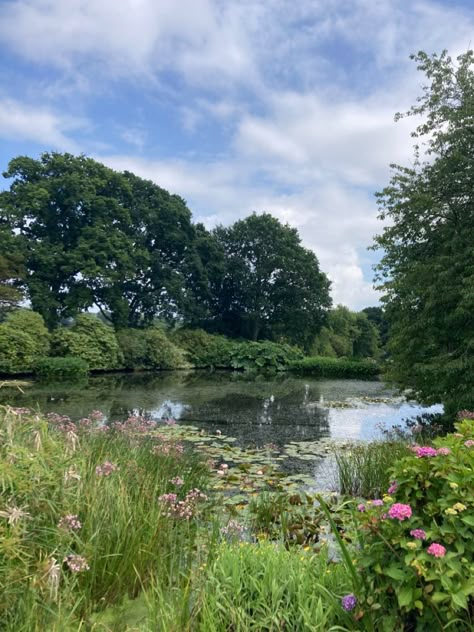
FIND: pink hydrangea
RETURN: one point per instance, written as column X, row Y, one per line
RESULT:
column 418, row 534
column 443, row 451
column 399, row 511
column 469, row 443
column 361, row 507
column 425, row 451
column 437, row 550
column 377, row 502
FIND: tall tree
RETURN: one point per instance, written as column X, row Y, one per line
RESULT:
column 92, row 236
column 427, row 268
column 272, row 286
column 11, row 271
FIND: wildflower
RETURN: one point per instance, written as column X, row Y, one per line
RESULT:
column 349, row 602
column 53, row 575
column 14, row 514
column 400, row 511
column 453, row 485
column 76, row 563
column 260, row 473
column 450, row 511
column 70, row 522
column 218, row 433
column 459, row 507
column 469, row 443
column 361, row 507
column 71, row 474
column 177, row 481
column 96, row 415
column 418, row 534
column 411, row 545
column 393, row 488
column 232, row 529
column 443, row 451
column 377, row 502
column 437, row 550
column 170, row 422
column 106, row 468
column 425, row 451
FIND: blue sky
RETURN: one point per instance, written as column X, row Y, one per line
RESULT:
column 281, row 106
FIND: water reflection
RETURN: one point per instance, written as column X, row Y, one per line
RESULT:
column 258, row 411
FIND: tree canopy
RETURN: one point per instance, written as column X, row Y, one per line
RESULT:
column 272, row 286
column 427, row 268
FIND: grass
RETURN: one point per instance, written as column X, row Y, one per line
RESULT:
column 363, row 470
column 336, row 368
column 88, row 543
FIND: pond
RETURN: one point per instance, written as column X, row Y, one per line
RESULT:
column 298, row 415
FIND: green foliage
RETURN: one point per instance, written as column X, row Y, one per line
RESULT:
column 347, row 334
column 133, row 345
column 427, row 271
column 23, row 340
column 161, row 353
column 264, row 356
column 61, row 368
column 204, row 350
column 95, row 236
column 11, row 270
column 377, row 317
column 337, row 368
column 272, row 286
column 89, row 339
column 266, row 587
column 363, row 469
column 411, row 585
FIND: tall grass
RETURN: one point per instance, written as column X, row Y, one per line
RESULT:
column 363, row 470
column 336, row 368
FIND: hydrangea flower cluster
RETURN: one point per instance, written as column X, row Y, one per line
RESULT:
column 418, row 534
column 425, row 451
column 106, row 468
column 437, row 550
column 349, row 602
column 70, row 522
column 399, row 511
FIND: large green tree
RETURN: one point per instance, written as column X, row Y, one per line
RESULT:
column 427, row 268
column 92, row 236
column 11, row 270
column 272, row 286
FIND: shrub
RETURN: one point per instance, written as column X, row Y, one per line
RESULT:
column 23, row 340
column 204, row 350
column 134, row 348
column 90, row 339
column 67, row 367
column 336, row 367
column 160, row 352
column 264, row 355
column 417, row 547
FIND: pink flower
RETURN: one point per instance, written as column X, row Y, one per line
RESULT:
column 437, row 550
column 377, row 502
column 361, row 507
column 106, row 468
column 177, row 481
column 76, row 563
column 418, row 534
column 425, row 451
column 400, row 511
column 443, row 451
column 469, row 443
column 393, row 488
column 70, row 523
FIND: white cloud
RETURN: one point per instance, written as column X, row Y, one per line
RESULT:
column 38, row 125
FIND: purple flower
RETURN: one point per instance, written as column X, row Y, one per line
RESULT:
column 361, row 507
column 349, row 602
column 418, row 534
column 377, row 502
column 425, row 451
column 76, row 563
column 70, row 523
column 437, row 550
column 400, row 511
column 393, row 488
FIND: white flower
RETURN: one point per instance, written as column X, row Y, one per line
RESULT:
column 14, row 514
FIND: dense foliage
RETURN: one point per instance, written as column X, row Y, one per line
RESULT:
column 336, row 367
column 417, row 544
column 60, row 368
column 427, row 270
column 24, row 339
column 272, row 286
column 347, row 334
column 11, row 270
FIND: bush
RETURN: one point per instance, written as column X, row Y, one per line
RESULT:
column 67, row 367
column 161, row 353
column 134, row 348
column 23, row 340
column 90, row 339
column 264, row 355
column 337, row 368
column 204, row 350
column 417, row 547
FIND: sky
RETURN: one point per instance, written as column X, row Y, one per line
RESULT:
column 239, row 106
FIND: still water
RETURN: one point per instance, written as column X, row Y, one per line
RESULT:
column 256, row 411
